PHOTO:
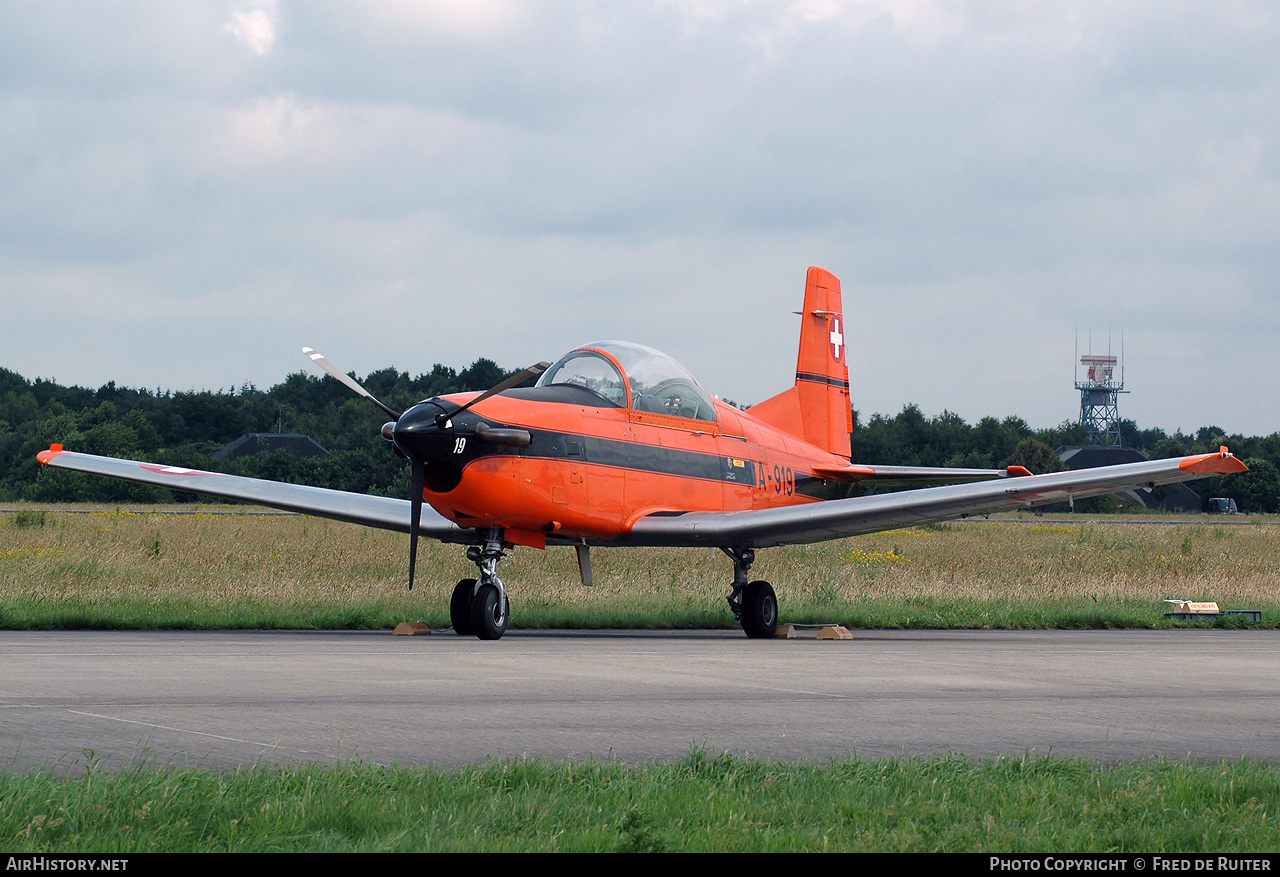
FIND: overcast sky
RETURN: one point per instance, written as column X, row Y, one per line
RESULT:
column 191, row 192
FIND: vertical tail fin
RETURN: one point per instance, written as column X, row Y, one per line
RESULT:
column 817, row 408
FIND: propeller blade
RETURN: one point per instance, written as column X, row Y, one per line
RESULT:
column 417, row 477
column 319, row 359
column 519, row 378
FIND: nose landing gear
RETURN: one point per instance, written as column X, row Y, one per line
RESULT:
column 479, row 606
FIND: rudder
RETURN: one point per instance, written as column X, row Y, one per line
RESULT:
column 817, row 409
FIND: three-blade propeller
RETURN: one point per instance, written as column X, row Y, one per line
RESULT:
column 519, row 378
column 319, row 359
column 506, row 437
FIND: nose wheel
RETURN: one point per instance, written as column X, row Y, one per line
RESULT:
column 479, row 607
column 489, row 613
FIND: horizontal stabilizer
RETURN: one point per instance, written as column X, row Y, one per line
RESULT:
column 844, row 473
column 924, row 476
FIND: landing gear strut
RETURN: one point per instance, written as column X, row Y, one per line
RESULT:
column 753, row 603
column 480, row 606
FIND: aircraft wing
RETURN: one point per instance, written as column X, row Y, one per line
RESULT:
column 373, row 511
column 835, row 519
column 811, row 522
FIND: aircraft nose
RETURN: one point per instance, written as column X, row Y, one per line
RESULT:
column 419, row 435
column 428, row 434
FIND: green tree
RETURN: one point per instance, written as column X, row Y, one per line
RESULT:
column 1259, row 489
column 1170, row 446
column 1036, row 456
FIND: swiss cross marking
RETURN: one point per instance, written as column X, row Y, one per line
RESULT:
column 837, row 339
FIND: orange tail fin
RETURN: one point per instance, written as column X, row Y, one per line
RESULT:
column 817, row 408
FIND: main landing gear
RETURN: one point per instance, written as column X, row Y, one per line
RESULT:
column 479, row 607
column 753, row 603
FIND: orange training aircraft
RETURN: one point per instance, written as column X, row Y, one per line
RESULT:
column 617, row 445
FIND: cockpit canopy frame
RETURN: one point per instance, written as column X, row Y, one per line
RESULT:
column 628, row 375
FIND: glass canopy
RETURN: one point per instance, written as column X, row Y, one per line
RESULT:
column 648, row 380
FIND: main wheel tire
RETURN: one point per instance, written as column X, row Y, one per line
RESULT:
column 489, row 613
column 460, row 608
column 759, row 610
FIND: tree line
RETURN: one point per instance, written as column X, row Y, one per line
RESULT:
column 912, row 439
column 188, row 428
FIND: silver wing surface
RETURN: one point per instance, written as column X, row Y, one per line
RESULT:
column 357, row 508
column 837, row 518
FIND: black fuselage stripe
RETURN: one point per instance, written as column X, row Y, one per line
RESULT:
column 632, row 455
column 636, row 456
column 822, row 379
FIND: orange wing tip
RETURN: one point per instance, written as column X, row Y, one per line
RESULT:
column 1019, row 471
column 46, row 457
column 1221, row 463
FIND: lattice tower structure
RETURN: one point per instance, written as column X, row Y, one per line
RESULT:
column 1099, row 399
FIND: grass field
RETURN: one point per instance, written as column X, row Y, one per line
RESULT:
column 123, row 568
column 701, row 803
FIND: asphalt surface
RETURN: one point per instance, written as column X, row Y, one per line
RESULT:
column 223, row 699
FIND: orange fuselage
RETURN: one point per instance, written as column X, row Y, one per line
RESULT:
column 591, row 472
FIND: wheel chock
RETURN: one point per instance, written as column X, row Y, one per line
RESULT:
column 411, row 628
column 825, row 631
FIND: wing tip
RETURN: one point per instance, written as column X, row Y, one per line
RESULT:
column 46, row 457
column 1221, row 463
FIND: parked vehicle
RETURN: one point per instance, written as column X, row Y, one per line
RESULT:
column 1221, row 505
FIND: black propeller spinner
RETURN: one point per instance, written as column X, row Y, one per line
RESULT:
column 426, row 433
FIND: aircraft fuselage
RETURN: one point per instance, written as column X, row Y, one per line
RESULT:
column 589, row 472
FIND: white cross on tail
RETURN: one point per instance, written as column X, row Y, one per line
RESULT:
column 837, row 338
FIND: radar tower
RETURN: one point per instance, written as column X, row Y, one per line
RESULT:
column 1099, row 394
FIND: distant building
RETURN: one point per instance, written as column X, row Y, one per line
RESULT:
column 1172, row 497
column 265, row 442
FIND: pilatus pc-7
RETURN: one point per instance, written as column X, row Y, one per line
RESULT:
column 618, row 445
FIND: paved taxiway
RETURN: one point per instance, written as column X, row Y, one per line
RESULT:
column 231, row 698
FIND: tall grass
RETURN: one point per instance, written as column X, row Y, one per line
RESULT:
column 140, row 569
column 701, row 803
